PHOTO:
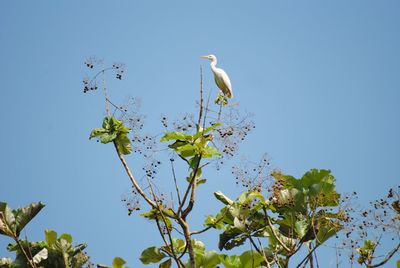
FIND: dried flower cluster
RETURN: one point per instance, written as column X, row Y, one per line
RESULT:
column 90, row 84
column 253, row 176
column 379, row 223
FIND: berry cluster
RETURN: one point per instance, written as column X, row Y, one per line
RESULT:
column 252, row 176
column 131, row 201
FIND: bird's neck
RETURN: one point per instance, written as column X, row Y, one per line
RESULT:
column 213, row 64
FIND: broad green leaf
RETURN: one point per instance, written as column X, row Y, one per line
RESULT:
column 177, row 144
column 326, row 231
column 50, row 236
column 124, row 144
column 210, row 259
column 41, row 255
column 118, row 262
column 187, row 150
column 108, row 137
column 300, row 227
column 211, row 221
column 202, row 181
column 201, row 132
column 66, row 237
column 97, row 132
column 221, row 197
column 398, row 264
column 231, row 237
column 194, row 162
column 174, row 135
column 250, row 259
column 230, row 261
column 166, row 264
column 179, row 244
column 114, row 131
column 151, row 255
column 25, row 215
column 209, row 152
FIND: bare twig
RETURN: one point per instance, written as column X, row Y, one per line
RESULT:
column 133, row 180
column 176, row 184
column 387, row 257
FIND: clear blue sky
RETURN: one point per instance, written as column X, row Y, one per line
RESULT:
column 321, row 77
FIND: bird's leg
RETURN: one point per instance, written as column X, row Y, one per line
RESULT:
column 221, row 99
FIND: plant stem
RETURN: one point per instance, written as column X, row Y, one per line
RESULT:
column 30, row 262
column 133, row 180
column 186, row 232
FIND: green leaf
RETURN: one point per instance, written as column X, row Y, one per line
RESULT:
column 210, row 259
column 177, row 144
column 118, row 262
column 230, row 261
column 50, row 236
column 209, row 152
column 114, row 131
column 300, row 227
column 250, row 259
column 123, row 144
column 66, row 237
column 166, row 264
column 326, row 231
column 201, row 132
column 194, row 162
column 174, row 135
column 25, row 215
column 108, row 137
column 97, row 132
column 187, row 150
column 398, row 264
column 221, row 197
column 151, row 255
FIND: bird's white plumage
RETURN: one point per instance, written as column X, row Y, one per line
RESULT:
column 221, row 78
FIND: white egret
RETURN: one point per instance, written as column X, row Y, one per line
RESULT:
column 221, row 78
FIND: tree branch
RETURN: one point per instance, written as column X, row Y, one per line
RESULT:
column 132, row 178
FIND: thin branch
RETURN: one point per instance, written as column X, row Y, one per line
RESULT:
column 274, row 233
column 176, row 184
column 207, row 109
column 261, row 252
column 189, row 246
column 105, row 91
column 201, row 97
column 307, row 257
column 30, row 262
column 193, row 184
column 171, row 245
column 132, row 178
column 387, row 258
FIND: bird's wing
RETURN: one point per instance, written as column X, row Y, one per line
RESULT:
column 223, row 82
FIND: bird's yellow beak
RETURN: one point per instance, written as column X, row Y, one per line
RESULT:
column 204, row 57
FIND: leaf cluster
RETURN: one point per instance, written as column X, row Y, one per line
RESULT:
column 296, row 212
column 113, row 130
